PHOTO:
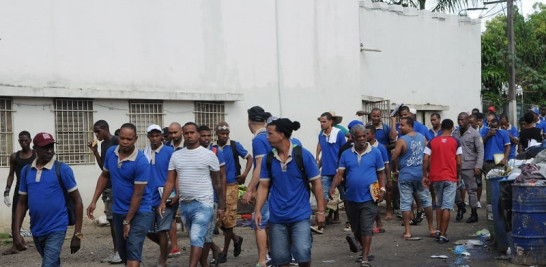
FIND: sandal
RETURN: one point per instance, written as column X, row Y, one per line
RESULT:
column 378, row 230
column 365, row 264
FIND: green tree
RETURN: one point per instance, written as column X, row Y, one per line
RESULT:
column 438, row 5
column 530, row 57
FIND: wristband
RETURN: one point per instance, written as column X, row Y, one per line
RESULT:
column 320, row 213
column 220, row 210
column 383, row 189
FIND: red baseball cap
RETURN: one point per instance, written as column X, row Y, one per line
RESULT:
column 492, row 109
column 43, row 139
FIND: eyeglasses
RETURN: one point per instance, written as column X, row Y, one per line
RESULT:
column 271, row 119
column 222, row 127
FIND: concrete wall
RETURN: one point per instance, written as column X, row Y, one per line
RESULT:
column 296, row 59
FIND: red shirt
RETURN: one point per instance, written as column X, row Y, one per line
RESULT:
column 443, row 151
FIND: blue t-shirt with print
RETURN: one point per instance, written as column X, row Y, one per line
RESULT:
column 231, row 168
column 329, row 152
column 158, row 173
column 360, row 172
column 124, row 177
column 417, row 127
column 46, row 203
column 411, row 161
column 288, row 195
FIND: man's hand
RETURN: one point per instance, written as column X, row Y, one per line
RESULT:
column 90, row 210
column 426, row 182
column 126, row 230
column 491, row 132
column 241, row 179
column 93, row 145
column 332, row 192
column 75, row 244
column 247, row 198
column 257, row 219
column 320, row 219
column 19, row 241
column 220, row 214
column 161, row 209
column 7, row 201
column 477, row 171
column 381, row 196
column 504, row 161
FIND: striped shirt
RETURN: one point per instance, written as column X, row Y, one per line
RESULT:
column 193, row 167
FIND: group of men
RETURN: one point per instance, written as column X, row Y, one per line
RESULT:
column 187, row 172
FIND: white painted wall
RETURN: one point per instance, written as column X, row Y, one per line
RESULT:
column 296, row 59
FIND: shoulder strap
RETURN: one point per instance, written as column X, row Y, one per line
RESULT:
column 215, row 150
column 298, row 157
column 233, row 145
column 58, row 165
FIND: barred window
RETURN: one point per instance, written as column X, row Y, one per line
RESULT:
column 6, row 131
column 73, row 130
column 209, row 114
column 143, row 114
column 383, row 105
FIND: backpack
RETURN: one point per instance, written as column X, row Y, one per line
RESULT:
column 69, row 202
column 233, row 145
column 298, row 158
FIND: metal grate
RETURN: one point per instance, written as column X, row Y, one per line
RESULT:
column 6, row 131
column 384, row 105
column 143, row 114
column 73, row 130
column 209, row 114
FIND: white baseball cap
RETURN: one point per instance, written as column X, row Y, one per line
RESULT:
column 154, row 127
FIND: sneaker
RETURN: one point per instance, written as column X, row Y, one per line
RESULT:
column 293, row 262
column 443, row 240
column 25, row 233
column 317, row 230
column 478, row 204
column 259, row 264
column 108, row 259
column 115, row 259
column 347, row 227
column 352, row 243
column 174, row 252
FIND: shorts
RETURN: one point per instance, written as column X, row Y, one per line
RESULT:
column 407, row 188
column 131, row 248
column 326, row 184
column 196, row 217
column 290, row 239
column 362, row 217
column 265, row 217
column 212, row 225
column 108, row 199
column 232, row 196
column 162, row 222
column 176, row 209
column 445, row 194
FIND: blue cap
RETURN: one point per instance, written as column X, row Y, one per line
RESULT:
column 353, row 123
column 535, row 110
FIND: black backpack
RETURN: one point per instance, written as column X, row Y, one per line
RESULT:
column 233, row 145
column 70, row 205
column 298, row 157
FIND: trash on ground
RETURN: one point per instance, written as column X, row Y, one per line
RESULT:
column 460, row 250
column 483, row 233
column 439, row 257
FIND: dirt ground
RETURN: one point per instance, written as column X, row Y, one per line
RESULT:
column 329, row 249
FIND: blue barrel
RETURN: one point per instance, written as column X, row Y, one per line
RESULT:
column 499, row 231
column 529, row 224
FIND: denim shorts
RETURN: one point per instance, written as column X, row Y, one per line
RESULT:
column 196, row 218
column 290, row 239
column 162, row 222
column 212, row 225
column 362, row 217
column 49, row 246
column 265, row 217
column 130, row 249
column 407, row 188
column 326, row 181
column 445, row 194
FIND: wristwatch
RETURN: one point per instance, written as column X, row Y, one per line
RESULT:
column 125, row 222
column 78, row 235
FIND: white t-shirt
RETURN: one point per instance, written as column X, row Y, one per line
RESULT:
column 193, row 167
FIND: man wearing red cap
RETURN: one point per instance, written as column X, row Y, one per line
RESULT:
column 40, row 184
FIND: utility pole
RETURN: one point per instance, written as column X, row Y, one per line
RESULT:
column 512, row 106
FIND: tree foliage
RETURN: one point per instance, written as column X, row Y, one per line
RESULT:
column 437, row 5
column 530, row 57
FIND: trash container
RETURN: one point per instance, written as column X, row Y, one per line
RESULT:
column 498, row 234
column 529, row 224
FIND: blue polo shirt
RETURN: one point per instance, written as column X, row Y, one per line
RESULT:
column 432, row 134
column 411, row 162
column 231, row 168
column 46, row 203
column 124, row 174
column 383, row 151
column 495, row 144
column 159, row 167
column 260, row 145
column 542, row 125
column 329, row 152
column 512, row 130
column 417, row 127
column 382, row 136
column 288, row 195
column 360, row 172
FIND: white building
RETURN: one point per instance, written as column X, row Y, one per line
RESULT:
column 66, row 64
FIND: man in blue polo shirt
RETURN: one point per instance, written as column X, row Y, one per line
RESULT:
column 363, row 165
column 370, row 138
column 404, row 112
column 41, row 193
column 330, row 140
column 128, row 170
column 232, row 151
column 158, row 156
column 287, row 189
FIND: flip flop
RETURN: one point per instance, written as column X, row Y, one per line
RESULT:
column 411, row 238
column 378, row 230
column 365, row 264
column 370, row 258
column 436, row 234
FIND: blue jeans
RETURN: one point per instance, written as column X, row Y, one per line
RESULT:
column 49, row 246
column 290, row 239
column 265, row 216
column 196, row 217
column 407, row 188
column 130, row 249
column 162, row 222
column 212, row 225
column 445, row 194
